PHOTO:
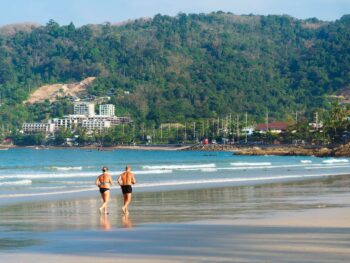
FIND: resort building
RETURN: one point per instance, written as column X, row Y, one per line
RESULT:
column 107, row 110
column 84, row 108
column 91, row 125
column 31, row 128
column 112, row 119
column 67, row 123
column 84, row 116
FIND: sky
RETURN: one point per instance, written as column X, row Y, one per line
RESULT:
column 82, row 12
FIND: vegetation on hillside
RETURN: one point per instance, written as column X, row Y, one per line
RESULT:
column 180, row 69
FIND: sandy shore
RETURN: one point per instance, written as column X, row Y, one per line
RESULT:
column 282, row 150
column 174, row 147
column 152, row 148
column 293, row 222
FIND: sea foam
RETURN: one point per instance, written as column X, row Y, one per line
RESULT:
column 179, row 167
column 331, row 161
column 69, row 168
column 21, row 182
column 250, row 164
column 178, row 183
column 305, row 161
column 74, row 175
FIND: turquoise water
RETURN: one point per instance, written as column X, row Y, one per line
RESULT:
column 27, row 173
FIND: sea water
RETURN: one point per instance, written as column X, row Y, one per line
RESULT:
column 28, row 173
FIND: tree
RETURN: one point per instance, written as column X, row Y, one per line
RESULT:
column 61, row 136
column 337, row 122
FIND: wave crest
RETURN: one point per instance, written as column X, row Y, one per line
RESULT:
column 21, row 182
column 250, row 164
column 178, row 167
column 66, row 168
column 331, row 161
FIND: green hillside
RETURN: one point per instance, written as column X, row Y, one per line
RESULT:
column 180, row 68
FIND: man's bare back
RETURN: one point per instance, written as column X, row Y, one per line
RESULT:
column 125, row 181
column 127, row 178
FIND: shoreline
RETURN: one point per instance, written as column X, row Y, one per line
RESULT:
column 174, row 147
column 293, row 222
column 280, row 150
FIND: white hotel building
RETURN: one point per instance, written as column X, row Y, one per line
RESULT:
column 84, row 116
column 46, row 128
column 84, row 108
column 91, row 125
column 107, row 110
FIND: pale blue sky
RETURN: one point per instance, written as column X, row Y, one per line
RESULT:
column 82, row 12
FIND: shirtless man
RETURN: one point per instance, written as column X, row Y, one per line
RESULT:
column 125, row 180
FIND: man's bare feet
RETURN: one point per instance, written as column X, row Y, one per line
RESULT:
column 124, row 209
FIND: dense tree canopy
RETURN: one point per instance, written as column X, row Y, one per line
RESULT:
column 180, row 68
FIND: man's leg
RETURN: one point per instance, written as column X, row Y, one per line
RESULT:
column 125, row 196
column 128, row 202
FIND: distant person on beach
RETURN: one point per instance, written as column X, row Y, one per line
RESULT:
column 125, row 180
column 104, row 182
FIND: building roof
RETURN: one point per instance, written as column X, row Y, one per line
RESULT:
column 277, row 125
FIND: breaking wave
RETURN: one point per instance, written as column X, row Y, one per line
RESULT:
column 21, row 182
column 251, row 164
column 305, row 161
column 69, row 168
column 331, row 161
column 179, row 167
column 74, row 175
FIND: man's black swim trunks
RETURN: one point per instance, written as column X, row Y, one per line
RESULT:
column 126, row 189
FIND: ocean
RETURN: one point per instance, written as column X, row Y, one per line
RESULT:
column 30, row 174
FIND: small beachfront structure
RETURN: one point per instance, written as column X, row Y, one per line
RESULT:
column 273, row 127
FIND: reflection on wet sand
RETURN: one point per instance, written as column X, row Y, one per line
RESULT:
column 105, row 223
column 127, row 223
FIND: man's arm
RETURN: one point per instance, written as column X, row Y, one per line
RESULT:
column 119, row 180
column 133, row 180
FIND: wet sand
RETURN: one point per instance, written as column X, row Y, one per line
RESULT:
column 293, row 222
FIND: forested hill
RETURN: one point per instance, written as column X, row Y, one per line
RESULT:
column 183, row 67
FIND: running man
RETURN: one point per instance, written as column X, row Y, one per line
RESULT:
column 125, row 180
column 104, row 182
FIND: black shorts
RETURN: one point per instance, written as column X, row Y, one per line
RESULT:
column 102, row 190
column 126, row 189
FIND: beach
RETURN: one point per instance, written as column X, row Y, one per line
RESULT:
column 304, row 221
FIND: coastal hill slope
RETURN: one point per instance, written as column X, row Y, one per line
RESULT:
column 12, row 29
column 188, row 67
